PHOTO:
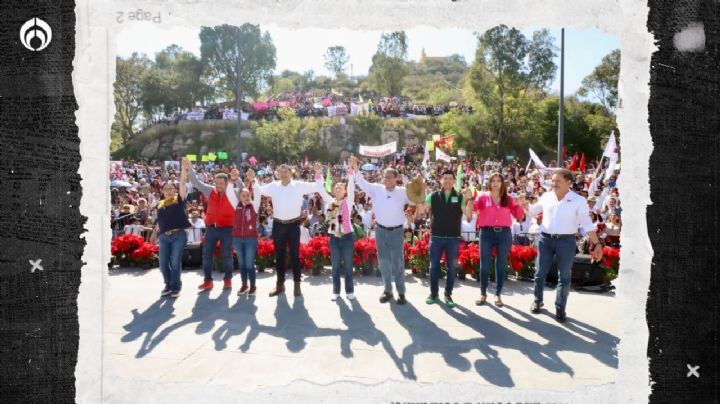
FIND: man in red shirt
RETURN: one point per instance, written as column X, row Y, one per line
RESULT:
column 219, row 220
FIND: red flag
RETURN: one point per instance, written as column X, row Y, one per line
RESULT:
column 573, row 163
column 582, row 163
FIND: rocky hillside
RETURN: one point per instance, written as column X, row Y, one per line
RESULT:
column 335, row 139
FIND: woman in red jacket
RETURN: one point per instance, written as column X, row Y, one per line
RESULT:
column 245, row 234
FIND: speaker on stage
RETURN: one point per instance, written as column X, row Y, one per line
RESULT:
column 192, row 256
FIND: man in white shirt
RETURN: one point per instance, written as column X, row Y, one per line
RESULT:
column 389, row 202
column 194, row 233
column 287, row 198
column 367, row 216
column 564, row 213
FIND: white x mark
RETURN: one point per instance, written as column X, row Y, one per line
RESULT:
column 36, row 265
column 693, row 371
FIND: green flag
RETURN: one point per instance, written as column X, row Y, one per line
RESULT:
column 191, row 157
column 205, row 158
column 328, row 181
column 212, row 156
column 458, row 178
column 222, row 155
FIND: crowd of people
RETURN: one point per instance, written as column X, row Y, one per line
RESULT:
column 493, row 203
column 318, row 105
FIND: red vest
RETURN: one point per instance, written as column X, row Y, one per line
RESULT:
column 245, row 221
column 220, row 212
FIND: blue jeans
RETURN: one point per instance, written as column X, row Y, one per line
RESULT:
column 451, row 247
column 342, row 249
column 564, row 250
column 212, row 235
column 390, row 244
column 246, row 248
column 502, row 241
column 171, row 251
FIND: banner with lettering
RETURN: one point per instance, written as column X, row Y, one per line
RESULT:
column 378, row 151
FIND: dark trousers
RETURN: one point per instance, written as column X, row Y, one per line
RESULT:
column 287, row 235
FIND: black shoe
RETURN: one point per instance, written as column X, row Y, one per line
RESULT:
column 535, row 308
column 386, row 297
column 560, row 316
column 401, row 299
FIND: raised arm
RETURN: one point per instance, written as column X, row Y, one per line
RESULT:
column 231, row 192
column 350, row 189
column 183, row 181
column 317, row 186
column 256, row 195
column 203, row 187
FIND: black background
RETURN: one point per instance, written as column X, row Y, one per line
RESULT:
column 40, row 195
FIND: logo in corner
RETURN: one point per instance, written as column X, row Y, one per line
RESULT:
column 35, row 34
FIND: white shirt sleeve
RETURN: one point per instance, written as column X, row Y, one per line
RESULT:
column 583, row 220
column 256, row 195
column 369, row 188
column 232, row 196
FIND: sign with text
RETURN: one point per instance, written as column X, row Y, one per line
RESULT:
column 378, row 151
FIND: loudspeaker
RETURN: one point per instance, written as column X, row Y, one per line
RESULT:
column 584, row 272
column 192, row 256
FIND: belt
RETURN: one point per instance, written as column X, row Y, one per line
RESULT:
column 557, row 236
column 214, row 225
column 173, row 231
column 297, row 220
column 389, row 228
column 496, row 229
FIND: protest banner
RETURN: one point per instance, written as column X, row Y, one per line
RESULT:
column 378, row 151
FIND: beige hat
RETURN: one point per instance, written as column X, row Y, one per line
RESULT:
column 416, row 190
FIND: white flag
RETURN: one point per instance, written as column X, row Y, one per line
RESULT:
column 610, row 147
column 537, row 160
column 441, row 155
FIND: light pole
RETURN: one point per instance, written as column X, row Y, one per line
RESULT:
column 237, row 107
column 561, row 118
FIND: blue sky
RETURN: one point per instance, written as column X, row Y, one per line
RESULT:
column 302, row 50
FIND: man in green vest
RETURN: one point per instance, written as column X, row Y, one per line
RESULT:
column 446, row 207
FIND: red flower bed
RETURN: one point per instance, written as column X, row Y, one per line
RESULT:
column 315, row 253
column 265, row 256
column 469, row 258
column 133, row 250
column 365, row 252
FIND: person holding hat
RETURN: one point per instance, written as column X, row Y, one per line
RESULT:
column 447, row 207
column 389, row 202
column 172, row 222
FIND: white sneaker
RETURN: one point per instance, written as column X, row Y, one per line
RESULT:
column 334, row 297
column 351, row 296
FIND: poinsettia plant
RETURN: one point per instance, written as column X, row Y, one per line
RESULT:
column 469, row 259
column 365, row 254
column 610, row 263
column 522, row 260
column 316, row 253
column 418, row 257
column 265, row 256
column 132, row 250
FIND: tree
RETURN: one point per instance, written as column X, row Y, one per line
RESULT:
column 388, row 64
column 232, row 52
column 508, row 73
column 602, row 83
column 128, row 93
column 335, row 60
